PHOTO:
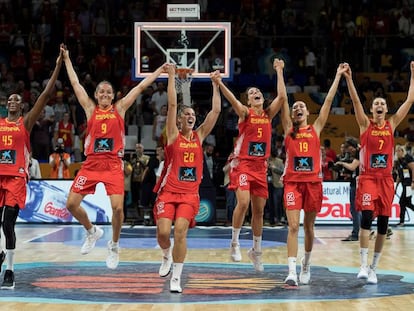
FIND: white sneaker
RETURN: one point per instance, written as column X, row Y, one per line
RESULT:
column 372, row 277
column 256, row 258
column 235, row 253
column 112, row 260
column 304, row 275
column 90, row 240
column 166, row 263
column 363, row 272
column 175, row 286
column 291, row 279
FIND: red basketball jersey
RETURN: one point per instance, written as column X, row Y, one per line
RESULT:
column 105, row 133
column 303, row 156
column 14, row 148
column 254, row 138
column 183, row 166
column 377, row 150
column 65, row 132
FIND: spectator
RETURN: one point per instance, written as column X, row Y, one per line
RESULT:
column 65, row 130
column 34, row 168
column 159, row 98
column 59, row 161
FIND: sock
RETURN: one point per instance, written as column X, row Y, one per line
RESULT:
column 363, row 253
column 375, row 260
column 235, row 235
column 92, row 230
column 307, row 258
column 177, row 270
column 10, row 259
column 114, row 244
column 257, row 243
column 292, row 264
column 166, row 252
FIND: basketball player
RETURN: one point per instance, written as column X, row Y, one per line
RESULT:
column 375, row 188
column 302, row 177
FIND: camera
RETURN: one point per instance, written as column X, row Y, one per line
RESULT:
column 60, row 149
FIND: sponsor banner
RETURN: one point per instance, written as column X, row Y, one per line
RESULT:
column 46, row 202
column 335, row 205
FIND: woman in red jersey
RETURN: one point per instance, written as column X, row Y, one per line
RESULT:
column 14, row 166
column 177, row 190
column 375, row 185
column 248, row 168
column 302, row 177
column 104, row 149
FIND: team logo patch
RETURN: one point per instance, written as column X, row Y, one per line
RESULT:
column 7, row 156
column 103, row 145
column 187, row 174
column 379, row 160
column 303, row 164
column 257, row 149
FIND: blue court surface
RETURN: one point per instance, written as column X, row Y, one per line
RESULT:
column 84, row 282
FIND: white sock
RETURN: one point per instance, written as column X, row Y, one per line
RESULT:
column 235, row 235
column 257, row 243
column 177, row 270
column 363, row 253
column 92, row 230
column 166, row 252
column 10, row 259
column 292, row 264
column 307, row 258
column 375, row 260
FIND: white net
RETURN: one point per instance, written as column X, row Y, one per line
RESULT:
column 183, row 85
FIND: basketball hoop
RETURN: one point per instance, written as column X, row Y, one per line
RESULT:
column 183, row 80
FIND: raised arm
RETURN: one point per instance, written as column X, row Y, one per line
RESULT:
column 326, row 107
column 277, row 103
column 171, row 122
column 361, row 118
column 210, row 121
column 32, row 116
column 124, row 103
column 83, row 98
column 240, row 109
column 402, row 112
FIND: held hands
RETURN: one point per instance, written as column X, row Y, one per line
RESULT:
column 64, row 51
column 342, row 69
column 60, row 57
column 348, row 72
column 170, row 69
column 278, row 64
column 215, row 76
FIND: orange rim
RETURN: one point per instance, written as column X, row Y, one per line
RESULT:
column 183, row 73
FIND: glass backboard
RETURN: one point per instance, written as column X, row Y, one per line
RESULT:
column 202, row 46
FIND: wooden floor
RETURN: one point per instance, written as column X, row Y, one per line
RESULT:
column 35, row 246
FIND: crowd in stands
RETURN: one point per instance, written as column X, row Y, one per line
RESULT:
column 99, row 36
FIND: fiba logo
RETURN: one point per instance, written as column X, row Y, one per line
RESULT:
column 290, row 198
column 243, row 180
column 205, row 211
column 218, row 64
column 366, row 199
column 145, row 62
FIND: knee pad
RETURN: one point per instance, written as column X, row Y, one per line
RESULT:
column 366, row 219
column 382, row 224
column 9, row 223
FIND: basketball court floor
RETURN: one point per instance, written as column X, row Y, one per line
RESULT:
column 51, row 274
